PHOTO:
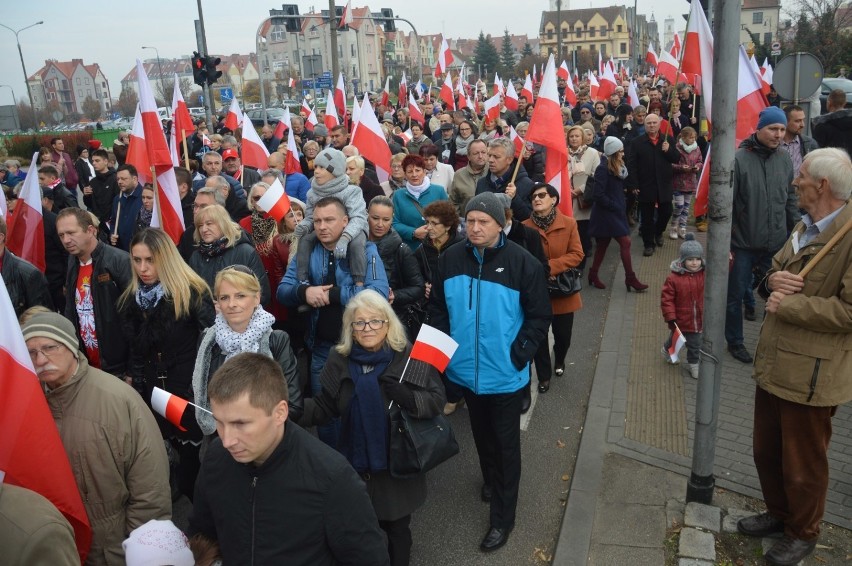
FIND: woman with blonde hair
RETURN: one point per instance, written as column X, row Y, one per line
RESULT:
column 220, row 243
column 310, row 149
column 583, row 160
column 163, row 311
column 362, row 376
column 355, row 169
column 396, row 180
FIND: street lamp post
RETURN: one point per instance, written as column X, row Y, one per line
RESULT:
column 558, row 30
column 160, row 72
column 14, row 102
column 24, row 67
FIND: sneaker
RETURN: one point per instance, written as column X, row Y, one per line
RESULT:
column 681, row 232
column 789, row 551
column 673, row 234
column 649, row 251
column 693, row 370
column 762, row 525
column 739, row 352
column 667, row 358
column 750, row 315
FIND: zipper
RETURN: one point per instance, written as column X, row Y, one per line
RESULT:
column 476, row 339
column 373, row 261
column 814, row 379
column 253, row 486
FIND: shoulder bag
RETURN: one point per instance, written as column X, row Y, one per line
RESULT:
column 566, row 283
column 418, row 445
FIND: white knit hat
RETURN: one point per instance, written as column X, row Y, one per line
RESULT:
column 157, row 543
column 612, row 145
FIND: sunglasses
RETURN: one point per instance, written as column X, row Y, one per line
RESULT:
column 540, row 196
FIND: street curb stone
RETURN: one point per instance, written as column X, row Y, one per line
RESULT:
column 702, row 516
column 697, row 544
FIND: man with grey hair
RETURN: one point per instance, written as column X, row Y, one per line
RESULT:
column 501, row 159
column 803, row 360
column 236, row 206
column 211, row 165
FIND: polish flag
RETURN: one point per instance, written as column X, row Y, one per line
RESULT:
column 600, row 64
column 517, row 140
column 31, row 454
column 310, row 116
column 414, row 111
column 331, row 120
column 137, row 155
column 234, row 117
column 281, row 128
column 306, row 108
column 535, row 77
column 594, row 87
column 168, row 213
column 703, row 191
column 356, row 114
column 4, row 207
column 758, row 72
column 371, row 142
column 386, row 93
column 291, row 82
column 433, row 347
column 445, row 59
column 291, row 161
column 340, row 96
column 492, row 108
column 498, row 84
column 668, row 66
column 677, row 341
column 608, row 83
column 750, row 99
column 698, row 54
column 527, row 89
column 463, row 101
column 570, row 94
column 676, row 46
column 406, row 136
column 275, row 201
column 651, row 55
column 182, row 121
column 766, row 74
column 418, row 88
column 632, row 95
column 25, row 229
column 254, row 152
column 205, row 141
column 402, row 95
column 169, row 406
column 511, row 100
column 346, row 17
column 447, row 92
column 546, row 129
column 562, row 72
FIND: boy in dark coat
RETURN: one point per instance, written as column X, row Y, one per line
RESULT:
column 682, row 301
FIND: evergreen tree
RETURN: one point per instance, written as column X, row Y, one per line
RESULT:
column 485, row 56
column 507, row 55
column 527, row 51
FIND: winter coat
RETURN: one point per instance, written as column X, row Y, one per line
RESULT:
column 608, row 218
column 370, row 189
column 274, row 256
column 534, row 164
column 241, row 253
column 562, row 247
column 682, row 299
column 33, row 531
column 406, row 215
column 117, row 457
column 650, row 169
column 404, row 275
column 84, row 174
column 834, row 129
column 392, row 498
column 297, row 186
column 765, row 206
column 62, row 198
column 684, row 178
column 237, row 207
column 427, row 257
column 55, row 256
column 442, row 175
column 111, row 274
column 589, row 159
column 804, row 354
column 163, row 349
column 304, row 506
column 26, row 285
column 104, row 191
column 521, row 208
column 496, row 306
column 464, row 187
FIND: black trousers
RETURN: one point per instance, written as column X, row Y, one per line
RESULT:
column 494, row 421
column 585, row 241
column 654, row 221
column 563, row 326
column 399, row 540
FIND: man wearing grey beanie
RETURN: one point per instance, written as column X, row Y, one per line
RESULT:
column 492, row 299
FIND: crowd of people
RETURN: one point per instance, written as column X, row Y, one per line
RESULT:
column 461, row 237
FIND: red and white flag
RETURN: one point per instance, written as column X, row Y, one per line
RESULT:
column 25, row 229
column 492, row 108
column 31, row 453
column 182, row 127
column 234, row 118
column 137, row 154
column 668, row 66
column 632, row 95
column 675, row 51
column 356, row 114
column 546, row 129
column 703, row 192
column 291, row 161
column 169, row 406
column 677, row 343
column 340, row 96
column 346, row 17
column 600, row 63
column 445, row 59
column 498, row 84
column 406, row 136
column 517, row 140
column 414, row 111
column 168, row 213
column 4, row 207
column 433, row 347
column 253, row 150
column 310, row 116
column 275, row 201
column 758, row 71
column 402, row 94
column 447, row 92
column 205, row 141
column 562, row 72
column 511, row 100
column 330, row 119
column 291, row 82
column 371, row 142
column 608, row 83
column 386, row 93
column 570, row 94
column 698, row 54
column 527, row 89
column 766, row 74
column 282, row 126
column 750, row 99
column 594, row 87
column 651, row 56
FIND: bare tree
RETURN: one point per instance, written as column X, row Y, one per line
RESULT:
column 127, row 102
column 822, row 29
column 91, row 108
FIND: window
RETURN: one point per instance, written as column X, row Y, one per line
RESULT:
column 103, row 86
column 106, row 105
column 579, row 48
column 767, row 38
column 80, row 93
column 565, row 33
column 757, row 17
column 550, row 34
column 87, row 80
column 603, row 31
column 623, row 48
column 278, row 34
column 78, row 80
column 603, row 48
column 579, row 32
column 591, row 32
column 89, row 92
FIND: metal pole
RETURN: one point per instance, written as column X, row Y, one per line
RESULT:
column 24, row 67
column 15, row 104
column 796, row 71
column 332, row 35
column 558, row 30
column 726, row 45
column 201, row 38
column 160, row 72
column 260, row 70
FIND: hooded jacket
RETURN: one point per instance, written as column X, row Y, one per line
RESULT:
column 682, row 298
column 834, row 129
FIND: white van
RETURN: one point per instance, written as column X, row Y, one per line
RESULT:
column 164, row 112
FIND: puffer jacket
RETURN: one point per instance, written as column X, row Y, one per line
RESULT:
column 682, row 298
column 116, row 454
column 404, row 275
column 765, row 206
column 834, row 129
column 241, row 253
column 26, row 285
column 804, row 354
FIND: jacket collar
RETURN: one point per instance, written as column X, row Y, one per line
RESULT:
column 64, row 394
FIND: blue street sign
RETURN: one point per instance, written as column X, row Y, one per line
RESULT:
column 226, row 94
column 326, row 74
column 115, row 115
column 307, row 84
column 324, row 82
column 201, row 99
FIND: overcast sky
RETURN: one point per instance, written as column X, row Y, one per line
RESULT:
column 112, row 32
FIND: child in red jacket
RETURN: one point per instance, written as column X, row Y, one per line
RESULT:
column 682, row 300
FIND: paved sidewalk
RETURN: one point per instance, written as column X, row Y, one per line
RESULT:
column 636, row 449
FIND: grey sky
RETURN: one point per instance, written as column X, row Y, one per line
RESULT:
column 111, row 33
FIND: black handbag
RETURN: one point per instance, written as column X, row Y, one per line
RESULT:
column 566, row 283
column 418, row 445
column 413, row 316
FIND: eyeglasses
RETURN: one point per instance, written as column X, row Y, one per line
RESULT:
column 375, row 324
column 584, row 112
column 539, row 196
column 256, row 198
column 47, row 351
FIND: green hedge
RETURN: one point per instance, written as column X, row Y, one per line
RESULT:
column 22, row 146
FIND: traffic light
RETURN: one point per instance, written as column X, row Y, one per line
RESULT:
column 338, row 15
column 388, row 21
column 291, row 24
column 199, row 69
column 212, row 72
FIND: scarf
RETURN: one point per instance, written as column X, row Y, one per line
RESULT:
column 145, row 216
column 329, row 189
column 395, row 185
column 261, row 230
column 578, row 153
column 213, row 249
column 418, row 190
column 147, row 296
column 622, row 174
column 462, row 143
column 365, row 439
column 545, row 221
column 688, row 148
column 232, row 342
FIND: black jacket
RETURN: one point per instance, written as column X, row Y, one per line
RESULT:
column 650, row 169
column 237, row 207
column 62, row 198
column 404, row 275
column 55, row 256
column 304, row 505
column 530, row 240
column 111, row 274
column 427, row 257
column 26, row 285
column 242, row 253
column 834, row 129
column 104, row 191
column 521, row 208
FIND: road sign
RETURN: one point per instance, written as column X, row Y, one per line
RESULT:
column 776, row 46
column 226, row 94
column 775, row 53
column 323, row 82
column 326, row 74
column 797, row 76
column 308, row 84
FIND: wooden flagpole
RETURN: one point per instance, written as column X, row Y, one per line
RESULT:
column 157, row 196
column 117, row 216
column 826, row 248
column 185, row 149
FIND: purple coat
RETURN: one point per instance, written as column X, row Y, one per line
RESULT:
column 608, row 218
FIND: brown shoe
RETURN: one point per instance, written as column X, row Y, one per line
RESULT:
column 789, row 551
column 762, row 525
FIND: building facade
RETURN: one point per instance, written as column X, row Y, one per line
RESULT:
column 69, row 84
column 760, row 18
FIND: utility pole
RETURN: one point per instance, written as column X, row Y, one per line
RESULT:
column 558, row 30
column 726, row 26
column 201, row 38
column 332, row 34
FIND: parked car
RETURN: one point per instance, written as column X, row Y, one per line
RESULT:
column 830, row 84
column 273, row 116
column 197, row 111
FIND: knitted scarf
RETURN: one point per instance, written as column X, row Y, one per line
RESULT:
column 233, row 343
column 146, row 215
column 688, row 148
column 329, row 189
column 545, row 221
column 418, row 190
column 213, row 249
column 147, row 296
column 462, row 143
column 261, row 230
column 365, row 439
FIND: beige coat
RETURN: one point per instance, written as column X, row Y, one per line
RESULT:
column 33, row 531
column 581, row 170
column 804, row 354
column 117, row 456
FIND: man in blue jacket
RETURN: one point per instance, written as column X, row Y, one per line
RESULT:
column 491, row 297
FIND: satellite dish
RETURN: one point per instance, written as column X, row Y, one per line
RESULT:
column 57, row 115
column 797, row 76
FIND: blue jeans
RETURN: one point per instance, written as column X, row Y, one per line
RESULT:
column 739, row 280
column 328, row 433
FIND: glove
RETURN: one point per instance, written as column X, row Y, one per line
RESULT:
column 341, row 247
column 672, row 324
column 401, row 395
column 300, row 231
